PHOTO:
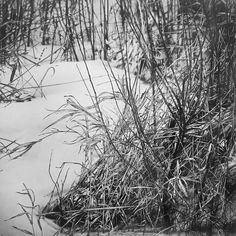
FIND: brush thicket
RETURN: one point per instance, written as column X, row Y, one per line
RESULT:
column 168, row 161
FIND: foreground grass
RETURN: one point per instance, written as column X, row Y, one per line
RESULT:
column 168, row 162
column 176, row 174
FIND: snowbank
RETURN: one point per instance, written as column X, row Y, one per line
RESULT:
column 24, row 122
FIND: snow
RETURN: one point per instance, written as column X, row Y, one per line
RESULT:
column 25, row 121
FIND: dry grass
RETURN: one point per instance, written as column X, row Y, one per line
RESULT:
column 168, row 162
column 151, row 176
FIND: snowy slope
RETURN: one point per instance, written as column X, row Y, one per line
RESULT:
column 25, row 122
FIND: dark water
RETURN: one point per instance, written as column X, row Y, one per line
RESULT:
column 231, row 231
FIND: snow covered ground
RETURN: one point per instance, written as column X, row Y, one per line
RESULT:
column 25, row 121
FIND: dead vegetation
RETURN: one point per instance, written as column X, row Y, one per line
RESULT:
column 169, row 162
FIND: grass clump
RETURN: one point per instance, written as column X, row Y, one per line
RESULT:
column 168, row 162
column 176, row 172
